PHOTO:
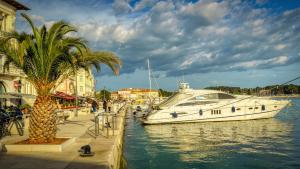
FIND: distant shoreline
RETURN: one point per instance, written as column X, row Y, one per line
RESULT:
column 284, row 96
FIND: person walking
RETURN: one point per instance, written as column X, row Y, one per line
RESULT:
column 94, row 106
column 105, row 105
column 109, row 105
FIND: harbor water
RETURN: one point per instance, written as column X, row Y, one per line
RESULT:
column 265, row 143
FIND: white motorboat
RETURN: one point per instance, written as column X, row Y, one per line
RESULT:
column 201, row 105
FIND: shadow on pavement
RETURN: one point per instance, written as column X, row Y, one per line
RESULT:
column 26, row 161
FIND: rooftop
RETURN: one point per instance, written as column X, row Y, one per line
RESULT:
column 138, row 90
column 16, row 4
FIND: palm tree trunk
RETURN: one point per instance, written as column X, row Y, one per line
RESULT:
column 42, row 128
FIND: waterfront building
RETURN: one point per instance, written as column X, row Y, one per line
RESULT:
column 135, row 94
column 14, row 89
column 84, row 82
column 114, row 95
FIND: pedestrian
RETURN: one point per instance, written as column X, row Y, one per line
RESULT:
column 109, row 105
column 105, row 105
column 94, row 106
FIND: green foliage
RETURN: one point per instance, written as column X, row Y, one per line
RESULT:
column 164, row 93
column 273, row 89
column 48, row 56
column 25, row 106
column 103, row 94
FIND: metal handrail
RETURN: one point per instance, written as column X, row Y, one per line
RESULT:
column 109, row 121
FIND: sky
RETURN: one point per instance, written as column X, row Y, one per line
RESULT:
column 203, row 42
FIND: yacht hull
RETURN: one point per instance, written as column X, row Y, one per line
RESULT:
column 217, row 114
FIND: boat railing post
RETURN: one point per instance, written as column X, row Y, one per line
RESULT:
column 102, row 124
column 107, row 125
column 113, row 124
column 97, row 125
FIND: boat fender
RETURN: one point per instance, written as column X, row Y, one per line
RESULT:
column 174, row 115
column 232, row 109
column 263, row 107
column 200, row 112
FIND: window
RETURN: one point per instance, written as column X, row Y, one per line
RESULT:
column 213, row 96
column 195, row 103
column 225, row 96
column 174, row 115
column 200, row 112
column 263, row 107
column 173, row 100
column 215, row 112
column 81, row 88
column 81, row 78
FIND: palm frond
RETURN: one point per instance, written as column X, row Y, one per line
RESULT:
column 48, row 56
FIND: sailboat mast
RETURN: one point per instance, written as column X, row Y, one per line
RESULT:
column 149, row 74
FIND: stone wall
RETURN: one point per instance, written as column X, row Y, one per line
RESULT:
column 116, row 154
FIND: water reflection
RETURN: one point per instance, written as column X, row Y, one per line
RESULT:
column 205, row 141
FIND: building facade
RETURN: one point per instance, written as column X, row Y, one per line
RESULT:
column 135, row 94
column 13, row 82
column 85, row 82
column 14, row 88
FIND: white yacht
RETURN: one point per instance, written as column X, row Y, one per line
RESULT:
column 191, row 105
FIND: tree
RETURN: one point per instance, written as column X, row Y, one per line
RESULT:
column 103, row 94
column 164, row 93
column 47, row 57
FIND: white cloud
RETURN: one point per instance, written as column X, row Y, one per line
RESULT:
column 280, row 46
column 212, row 11
column 202, row 36
column 280, row 60
column 122, row 34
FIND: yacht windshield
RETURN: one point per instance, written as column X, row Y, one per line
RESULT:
column 174, row 99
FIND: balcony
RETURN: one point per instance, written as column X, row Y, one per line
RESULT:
column 13, row 72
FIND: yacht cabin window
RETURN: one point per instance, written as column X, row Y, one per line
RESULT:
column 173, row 100
column 213, row 96
column 195, row 103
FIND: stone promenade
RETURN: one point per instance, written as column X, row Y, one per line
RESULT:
column 106, row 151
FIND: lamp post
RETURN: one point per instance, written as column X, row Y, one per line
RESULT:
column 76, row 111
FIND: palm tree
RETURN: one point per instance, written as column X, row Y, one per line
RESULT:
column 47, row 57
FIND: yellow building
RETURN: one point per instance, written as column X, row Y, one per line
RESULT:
column 84, row 81
column 137, row 94
column 14, row 89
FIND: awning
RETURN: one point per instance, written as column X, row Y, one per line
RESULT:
column 64, row 96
